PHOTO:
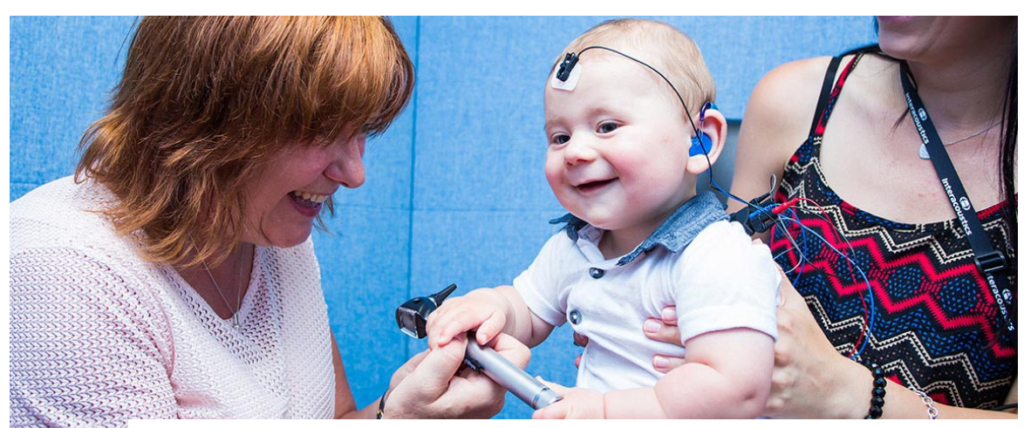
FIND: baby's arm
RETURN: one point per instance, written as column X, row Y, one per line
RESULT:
column 727, row 374
column 489, row 311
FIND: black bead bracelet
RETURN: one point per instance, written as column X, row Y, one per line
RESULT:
column 380, row 407
column 877, row 392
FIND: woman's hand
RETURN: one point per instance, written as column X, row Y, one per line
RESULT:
column 430, row 385
column 664, row 330
column 811, row 379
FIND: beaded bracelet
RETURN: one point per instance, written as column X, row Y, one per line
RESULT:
column 933, row 413
column 380, row 407
column 877, row 393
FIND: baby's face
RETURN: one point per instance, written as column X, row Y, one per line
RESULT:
column 617, row 146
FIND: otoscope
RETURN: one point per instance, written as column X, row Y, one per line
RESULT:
column 412, row 320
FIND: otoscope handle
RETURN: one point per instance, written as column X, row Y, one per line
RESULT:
column 487, row 361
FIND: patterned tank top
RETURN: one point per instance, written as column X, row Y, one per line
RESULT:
column 935, row 325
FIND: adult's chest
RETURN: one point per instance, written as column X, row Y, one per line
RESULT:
column 872, row 163
column 223, row 371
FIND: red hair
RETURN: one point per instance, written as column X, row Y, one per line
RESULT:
column 204, row 101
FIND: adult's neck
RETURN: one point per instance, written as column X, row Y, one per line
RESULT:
column 963, row 92
column 229, row 276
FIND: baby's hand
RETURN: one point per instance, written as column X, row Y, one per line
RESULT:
column 576, row 403
column 481, row 309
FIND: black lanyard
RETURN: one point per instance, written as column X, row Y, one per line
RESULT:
column 989, row 261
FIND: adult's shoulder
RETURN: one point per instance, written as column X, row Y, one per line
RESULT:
column 786, row 97
column 64, row 212
column 804, row 76
column 790, row 92
column 777, row 120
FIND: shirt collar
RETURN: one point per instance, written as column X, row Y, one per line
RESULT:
column 674, row 234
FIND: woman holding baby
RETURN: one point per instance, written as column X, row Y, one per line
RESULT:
column 933, row 336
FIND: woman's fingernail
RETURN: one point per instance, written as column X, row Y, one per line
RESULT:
column 757, row 241
column 482, row 337
column 660, row 362
column 668, row 314
column 652, row 326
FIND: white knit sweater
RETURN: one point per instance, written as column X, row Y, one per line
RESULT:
column 99, row 336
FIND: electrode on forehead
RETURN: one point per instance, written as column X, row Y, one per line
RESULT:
column 568, row 73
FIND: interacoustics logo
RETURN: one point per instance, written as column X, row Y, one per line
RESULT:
column 922, row 114
column 965, row 203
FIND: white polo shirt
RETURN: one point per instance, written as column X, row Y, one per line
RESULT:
column 697, row 261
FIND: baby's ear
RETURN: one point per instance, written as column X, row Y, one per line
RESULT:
column 714, row 128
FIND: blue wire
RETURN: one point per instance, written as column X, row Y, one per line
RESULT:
column 781, row 233
column 763, row 209
column 871, row 297
column 719, row 188
column 803, row 247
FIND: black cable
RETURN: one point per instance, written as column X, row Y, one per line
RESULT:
column 685, row 109
column 1005, row 407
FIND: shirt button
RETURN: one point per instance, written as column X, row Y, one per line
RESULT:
column 575, row 317
column 596, row 273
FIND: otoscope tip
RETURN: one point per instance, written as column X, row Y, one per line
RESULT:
column 443, row 294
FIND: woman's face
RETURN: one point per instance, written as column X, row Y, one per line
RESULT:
column 285, row 198
column 935, row 38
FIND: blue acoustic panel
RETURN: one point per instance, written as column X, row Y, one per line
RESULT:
column 364, row 273
column 62, row 71
column 479, row 137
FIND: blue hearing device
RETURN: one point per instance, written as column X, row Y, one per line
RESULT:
column 700, row 144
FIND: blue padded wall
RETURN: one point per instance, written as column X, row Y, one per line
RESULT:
column 62, row 71
column 455, row 191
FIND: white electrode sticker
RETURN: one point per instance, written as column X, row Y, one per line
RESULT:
column 570, row 83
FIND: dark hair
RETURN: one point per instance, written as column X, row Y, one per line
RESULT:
column 1007, row 160
column 204, row 101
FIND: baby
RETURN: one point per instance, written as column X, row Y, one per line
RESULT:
column 623, row 158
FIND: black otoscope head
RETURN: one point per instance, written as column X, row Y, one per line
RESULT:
column 412, row 315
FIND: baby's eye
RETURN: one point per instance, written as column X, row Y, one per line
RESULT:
column 559, row 139
column 607, row 127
